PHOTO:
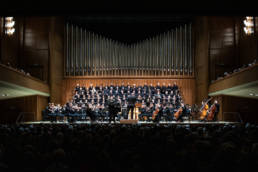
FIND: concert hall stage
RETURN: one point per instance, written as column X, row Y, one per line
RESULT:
column 194, row 122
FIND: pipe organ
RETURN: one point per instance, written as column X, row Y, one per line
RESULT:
column 89, row 54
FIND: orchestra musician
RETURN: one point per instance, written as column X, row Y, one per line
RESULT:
column 217, row 110
column 96, row 99
column 213, row 111
column 204, row 111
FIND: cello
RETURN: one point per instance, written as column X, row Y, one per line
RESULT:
column 204, row 109
column 178, row 113
column 155, row 113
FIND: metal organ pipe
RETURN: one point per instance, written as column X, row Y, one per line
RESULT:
column 84, row 52
column 185, row 50
column 76, row 50
column 91, row 54
column 81, row 54
column 72, row 51
column 67, row 51
column 190, row 49
column 181, row 50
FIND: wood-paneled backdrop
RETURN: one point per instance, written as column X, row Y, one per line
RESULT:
column 30, row 106
column 186, row 85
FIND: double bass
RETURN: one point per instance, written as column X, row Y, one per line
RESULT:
column 211, row 112
column 204, row 109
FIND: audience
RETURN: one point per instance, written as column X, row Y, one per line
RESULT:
column 116, row 147
column 17, row 69
column 236, row 70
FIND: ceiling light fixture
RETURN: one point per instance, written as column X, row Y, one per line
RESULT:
column 249, row 25
column 9, row 26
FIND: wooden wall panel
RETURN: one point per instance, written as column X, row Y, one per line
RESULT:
column 28, row 48
column 187, row 86
column 222, row 46
column 11, row 108
column 42, row 103
column 246, row 107
column 229, row 46
column 201, row 58
column 56, row 44
column 36, row 46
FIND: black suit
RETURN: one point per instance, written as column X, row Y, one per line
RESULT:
column 216, row 112
column 131, row 103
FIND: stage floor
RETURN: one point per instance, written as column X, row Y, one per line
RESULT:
column 138, row 122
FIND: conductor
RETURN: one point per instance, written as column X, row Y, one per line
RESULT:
column 113, row 108
column 131, row 103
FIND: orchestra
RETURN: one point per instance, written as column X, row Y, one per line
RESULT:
column 154, row 103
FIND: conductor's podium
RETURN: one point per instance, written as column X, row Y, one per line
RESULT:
column 135, row 116
column 128, row 121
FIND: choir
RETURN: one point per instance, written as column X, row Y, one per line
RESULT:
column 94, row 101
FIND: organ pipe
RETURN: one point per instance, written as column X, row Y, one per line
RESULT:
column 90, row 54
column 67, row 50
column 181, row 49
column 190, row 49
column 185, row 50
column 75, row 51
column 72, row 51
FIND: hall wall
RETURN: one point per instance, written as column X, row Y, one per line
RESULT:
column 231, row 106
column 30, row 106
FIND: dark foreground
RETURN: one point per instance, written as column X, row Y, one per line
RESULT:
column 110, row 147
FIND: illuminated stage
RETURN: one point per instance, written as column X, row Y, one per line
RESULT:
column 194, row 122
